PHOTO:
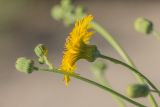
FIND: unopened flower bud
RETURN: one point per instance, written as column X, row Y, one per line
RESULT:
column 25, row 65
column 66, row 3
column 99, row 65
column 57, row 12
column 79, row 12
column 137, row 90
column 98, row 68
column 143, row 25
column 68, row 19
column 41, row 50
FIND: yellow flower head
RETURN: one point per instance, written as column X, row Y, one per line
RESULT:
column 77, row 46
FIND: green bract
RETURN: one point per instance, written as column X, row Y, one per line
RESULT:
column 90, row 52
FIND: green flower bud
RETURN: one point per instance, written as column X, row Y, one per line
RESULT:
column 98, row 68
column 68, row 19
column 137, row 90
column 41, row 50
column 57, row 12
column 79, row 12
column 67, row 7
column 143, row 25
column 25, row 65
column 66, row 3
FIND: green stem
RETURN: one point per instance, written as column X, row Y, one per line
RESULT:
column 96, row 84
column 122, row 53
column 104, row 82
column 113, row 43
column 154, row 91
column 131, row 68
column 156, row 34
column 152, row 100
column 47, row 62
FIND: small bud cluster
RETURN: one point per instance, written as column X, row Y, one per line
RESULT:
column 67, row 12
column 26, row 65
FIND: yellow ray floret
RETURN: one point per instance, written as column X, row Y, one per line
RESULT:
column 75, row 46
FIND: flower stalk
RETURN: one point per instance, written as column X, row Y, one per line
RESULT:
column 96, row 84
column 131, row 68
column 156, row 34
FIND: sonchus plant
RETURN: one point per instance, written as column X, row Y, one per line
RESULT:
column 144, row 24
column 77, row 47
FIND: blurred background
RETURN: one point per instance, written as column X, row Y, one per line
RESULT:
column 25, row 23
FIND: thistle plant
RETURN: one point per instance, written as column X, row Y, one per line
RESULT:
column 77, row 47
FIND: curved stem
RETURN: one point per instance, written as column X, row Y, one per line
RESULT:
column 131, row 68
column 105, row 82
column 155, row 91
column 122, row 53
column 96, row 84
column 156, row 34
column 152, row 100
column 113, row 43
column 48, row 62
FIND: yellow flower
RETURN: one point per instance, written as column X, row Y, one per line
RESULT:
column 77, row 46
